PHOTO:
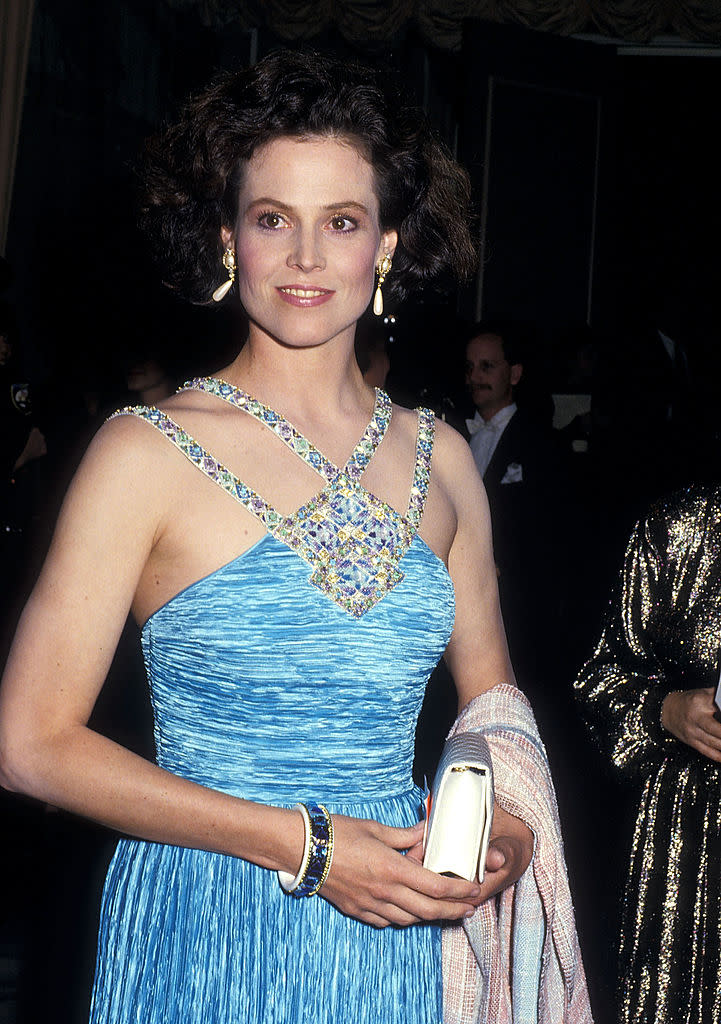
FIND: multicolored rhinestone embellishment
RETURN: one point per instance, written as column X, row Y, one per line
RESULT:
column 351, row 539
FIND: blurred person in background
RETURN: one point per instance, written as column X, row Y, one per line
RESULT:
column 647, row 693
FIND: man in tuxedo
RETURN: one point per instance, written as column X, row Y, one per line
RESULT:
column 493, row 369
column 541, row 548
column 528, row 491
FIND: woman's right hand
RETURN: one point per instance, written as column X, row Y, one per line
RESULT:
column 689, row 715
column 371, row 880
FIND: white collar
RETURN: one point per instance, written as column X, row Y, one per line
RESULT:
column 496, row 423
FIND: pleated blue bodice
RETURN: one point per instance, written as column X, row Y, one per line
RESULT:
column 295, row 672
column 264, row 688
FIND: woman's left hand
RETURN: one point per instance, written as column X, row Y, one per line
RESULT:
column 509, row 853
column 690, row 716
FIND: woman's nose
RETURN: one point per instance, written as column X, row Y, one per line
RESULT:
column 306, row 252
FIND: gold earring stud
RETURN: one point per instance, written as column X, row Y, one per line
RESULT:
column 229, row 263
column 383, row 269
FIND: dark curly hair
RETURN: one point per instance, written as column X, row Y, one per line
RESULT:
column 191, row 172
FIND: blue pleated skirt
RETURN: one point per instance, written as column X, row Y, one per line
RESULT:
column 190, row 937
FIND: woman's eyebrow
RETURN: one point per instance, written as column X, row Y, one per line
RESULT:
column 268, row 201
column 346, row 204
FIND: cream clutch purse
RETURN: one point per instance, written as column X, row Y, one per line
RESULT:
column 458, row 825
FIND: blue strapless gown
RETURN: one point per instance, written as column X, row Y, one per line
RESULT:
column 264, row 688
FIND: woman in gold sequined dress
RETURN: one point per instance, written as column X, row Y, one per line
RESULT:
column 648, row 695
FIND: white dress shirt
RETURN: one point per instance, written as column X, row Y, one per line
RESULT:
column 485, row 434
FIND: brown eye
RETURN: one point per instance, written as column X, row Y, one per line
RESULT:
column 270, row 220
column 342, row 223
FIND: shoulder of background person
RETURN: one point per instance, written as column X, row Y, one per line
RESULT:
column 693, row 512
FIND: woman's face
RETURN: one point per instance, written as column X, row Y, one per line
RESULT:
column 307, row 239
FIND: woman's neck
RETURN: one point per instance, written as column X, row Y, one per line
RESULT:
column 319, row 381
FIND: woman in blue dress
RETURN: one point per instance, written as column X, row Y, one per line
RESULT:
column 300, row 554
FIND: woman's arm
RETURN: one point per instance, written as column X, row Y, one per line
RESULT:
column 113, row 519
column 477, row 654
column 623, row 685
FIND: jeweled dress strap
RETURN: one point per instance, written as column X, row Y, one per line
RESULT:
column 206, row 463
column 372, row 437
column 280, row 426
column 352, row 540
column 422, row 471
column 300, row 445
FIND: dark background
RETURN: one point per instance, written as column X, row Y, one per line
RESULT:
column 595, row 175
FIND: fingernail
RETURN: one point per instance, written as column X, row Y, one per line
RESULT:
column 469, row 913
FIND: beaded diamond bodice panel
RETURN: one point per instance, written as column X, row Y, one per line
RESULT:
column 352, row 540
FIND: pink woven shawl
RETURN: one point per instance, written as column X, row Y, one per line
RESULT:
column 517, row 960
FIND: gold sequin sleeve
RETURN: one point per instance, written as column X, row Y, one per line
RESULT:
column 663, row 633
column 660, row 633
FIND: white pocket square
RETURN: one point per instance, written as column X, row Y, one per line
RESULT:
column 513, row 474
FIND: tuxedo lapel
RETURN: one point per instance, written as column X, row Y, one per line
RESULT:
column 505, row 452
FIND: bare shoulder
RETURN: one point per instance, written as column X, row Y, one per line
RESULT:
column 122, row 484
column 405, row 418
column 453, row 462
column 449, row 445
column 208, row 419
column 189, row 400
column 112, row 515
column 125, row 444
column 405, row 427
column 454, row 469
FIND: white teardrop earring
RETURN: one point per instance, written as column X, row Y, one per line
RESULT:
column 383, row 269
column 229, row 263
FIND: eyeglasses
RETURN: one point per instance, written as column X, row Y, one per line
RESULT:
column 486, row 365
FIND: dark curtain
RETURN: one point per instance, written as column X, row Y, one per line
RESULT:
column 16, row 18
column 440, row 21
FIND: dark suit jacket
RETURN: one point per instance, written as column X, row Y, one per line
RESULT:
column 523, row 481
column 529, row 492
